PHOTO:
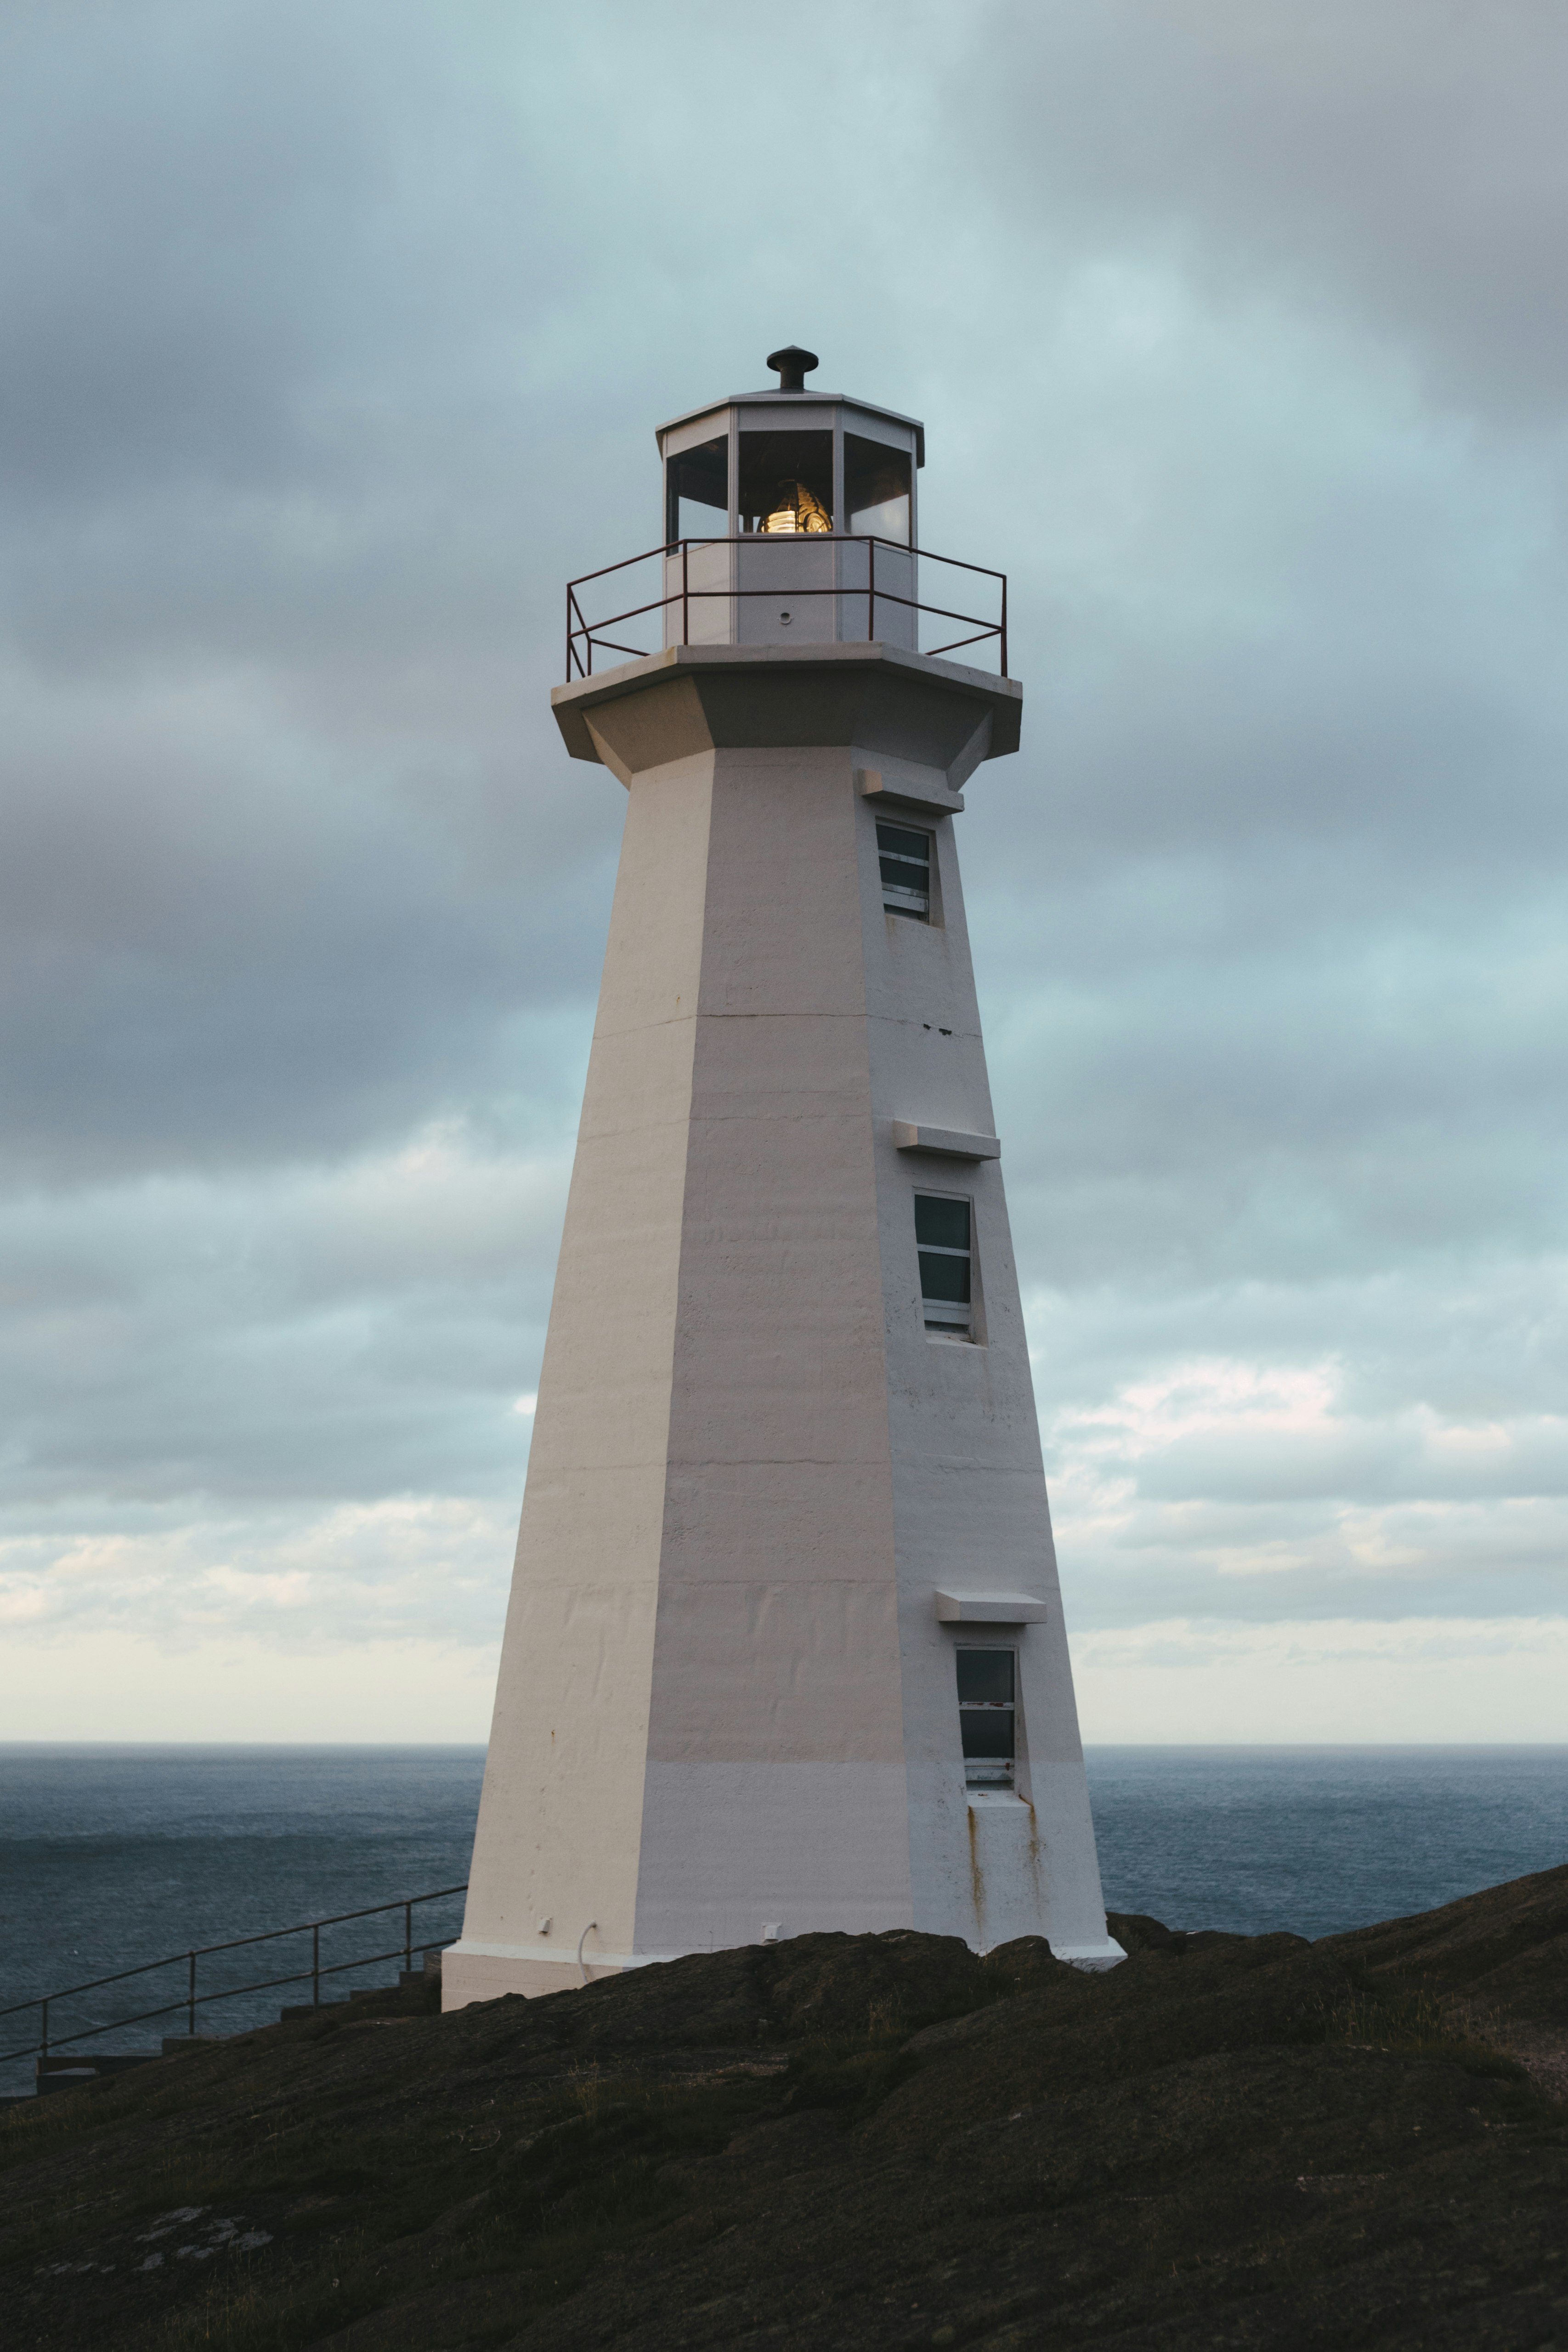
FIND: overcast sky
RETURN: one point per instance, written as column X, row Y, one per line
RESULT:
column 335, row 335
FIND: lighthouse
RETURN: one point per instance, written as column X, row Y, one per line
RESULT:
column 785, row 1650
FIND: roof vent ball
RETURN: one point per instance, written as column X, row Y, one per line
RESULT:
column 793, row 366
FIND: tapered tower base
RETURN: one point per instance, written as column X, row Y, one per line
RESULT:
column 774, row 1496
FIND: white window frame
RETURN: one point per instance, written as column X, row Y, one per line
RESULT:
column 916, row 905
column 983, row 1772
column 953, row 1316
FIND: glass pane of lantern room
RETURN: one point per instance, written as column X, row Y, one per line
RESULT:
column 698, row 492
column 876, row 488
column 776, row 470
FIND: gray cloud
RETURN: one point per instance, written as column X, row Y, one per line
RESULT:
column 1402, row 165
column 335, row 339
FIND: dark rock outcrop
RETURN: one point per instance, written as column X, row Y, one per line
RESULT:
column 849, row 2141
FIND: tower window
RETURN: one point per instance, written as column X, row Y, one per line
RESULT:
column 904, row 856
column 946, row 1256
column 988, row 1716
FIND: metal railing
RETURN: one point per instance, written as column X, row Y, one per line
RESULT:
column 583, row 636
column 191, row 2001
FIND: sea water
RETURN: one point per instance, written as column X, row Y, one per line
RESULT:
column 110, row 1856
column 1317, row 1840
column 113, row 1855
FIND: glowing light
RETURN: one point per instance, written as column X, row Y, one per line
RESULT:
column 797, row 510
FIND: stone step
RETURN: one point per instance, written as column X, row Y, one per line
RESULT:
column 408, row 1981
column 64, row 2073
column 97, row 2061
column 51, row 2078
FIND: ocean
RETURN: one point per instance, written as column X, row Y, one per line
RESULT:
column 113, row 1855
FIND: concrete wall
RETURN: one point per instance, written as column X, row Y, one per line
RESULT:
column 969, row 1506
column 560, row 1816
column 726, row 1705
column 775, row 1786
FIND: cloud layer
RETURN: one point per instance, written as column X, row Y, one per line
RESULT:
column 335, row 342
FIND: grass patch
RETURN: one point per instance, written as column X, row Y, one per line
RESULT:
column 243, row 2307
column 1414, row 2021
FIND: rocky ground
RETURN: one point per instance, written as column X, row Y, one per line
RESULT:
column 867, row 2141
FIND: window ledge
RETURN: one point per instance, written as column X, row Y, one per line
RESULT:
column 991, row 1608
column 949, row 1142
column 927, row 793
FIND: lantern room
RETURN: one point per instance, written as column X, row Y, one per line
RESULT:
column 790, row 517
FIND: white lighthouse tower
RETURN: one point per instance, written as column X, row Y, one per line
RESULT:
column 785, row 1650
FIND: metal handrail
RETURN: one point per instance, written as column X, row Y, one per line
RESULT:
column 193, row 2001
column 583, row 637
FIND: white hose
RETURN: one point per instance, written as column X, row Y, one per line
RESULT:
column 592, row 1928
